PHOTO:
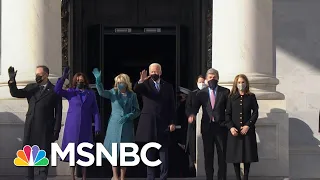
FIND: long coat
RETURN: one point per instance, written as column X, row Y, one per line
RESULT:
column 158, row 112
column 124, row 110
column 241, row 111
column 44, row 115
column 78, row 126
column 191, row 133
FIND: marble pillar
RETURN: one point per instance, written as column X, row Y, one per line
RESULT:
column 30, row 36
column 242, row 43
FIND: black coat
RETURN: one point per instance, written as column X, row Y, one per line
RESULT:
column 241, row 111
column 191, row 133
column 158, row 111
column 218, row 112
column 44, row 115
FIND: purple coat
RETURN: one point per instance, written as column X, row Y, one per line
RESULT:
column 78, row 125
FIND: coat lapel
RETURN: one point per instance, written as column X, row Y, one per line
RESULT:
column 218, row 96
column 119, row 99
column 86, row 95
column 153, row 86
column 46, row 91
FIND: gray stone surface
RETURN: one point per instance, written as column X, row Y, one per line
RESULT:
column 297, row 44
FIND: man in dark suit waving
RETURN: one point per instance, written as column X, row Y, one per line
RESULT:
column 157, row 117
column 213, row 100
column 43, row 119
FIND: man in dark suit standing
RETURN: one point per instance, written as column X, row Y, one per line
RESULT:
column 43, row 119
column 213, row 100
column 157, row 117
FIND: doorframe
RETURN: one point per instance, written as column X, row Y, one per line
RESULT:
column 76, row 37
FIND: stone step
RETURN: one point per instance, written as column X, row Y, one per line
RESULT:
column 196, row 178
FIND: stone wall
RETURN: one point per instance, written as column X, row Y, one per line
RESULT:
column 297, row 44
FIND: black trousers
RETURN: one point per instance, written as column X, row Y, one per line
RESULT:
column 215, row 137
column 164, row 158
column 43, row 173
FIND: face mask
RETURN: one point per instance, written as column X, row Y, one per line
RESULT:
column 80, row 85
column 39, row 79
column 155, row 77
column 213, row 83
column 241, row 86
column 121, row 86
column 201, row 85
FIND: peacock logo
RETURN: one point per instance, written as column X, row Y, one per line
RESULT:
column 31, row 156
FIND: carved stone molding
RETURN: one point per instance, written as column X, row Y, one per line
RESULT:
column 64, row 31
column 209, row 34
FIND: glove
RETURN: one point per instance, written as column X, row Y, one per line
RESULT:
column 65, row 73
column 12, row 73
column 97, row 74
column 125, row 118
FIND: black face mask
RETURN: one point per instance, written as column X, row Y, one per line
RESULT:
column 155, row 77
column 39, row 79
column 213, row 83
column 80, row 85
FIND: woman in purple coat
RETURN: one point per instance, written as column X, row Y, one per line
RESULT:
column 82, row 108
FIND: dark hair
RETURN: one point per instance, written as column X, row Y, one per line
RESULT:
column 45, row 68
column 234, row 89
column 74, row 80
column 200, row 76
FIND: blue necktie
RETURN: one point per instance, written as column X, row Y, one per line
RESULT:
column 157, row 87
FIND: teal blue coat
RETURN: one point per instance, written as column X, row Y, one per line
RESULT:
column 124, row 110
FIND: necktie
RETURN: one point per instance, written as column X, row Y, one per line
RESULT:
column 157, row 87
column 212, row 100
column 41, row 89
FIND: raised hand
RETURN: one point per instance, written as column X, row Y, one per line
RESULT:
column 65, row 73
column 143, row 75
column 97, row 74
column 12, row 73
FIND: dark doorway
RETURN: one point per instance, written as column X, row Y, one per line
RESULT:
column 130, row 54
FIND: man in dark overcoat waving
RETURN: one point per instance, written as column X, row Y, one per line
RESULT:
column 157, row 117
column 43, row 119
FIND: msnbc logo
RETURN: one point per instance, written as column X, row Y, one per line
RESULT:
column 31, row 157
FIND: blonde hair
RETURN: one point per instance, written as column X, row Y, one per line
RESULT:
column 123, row 78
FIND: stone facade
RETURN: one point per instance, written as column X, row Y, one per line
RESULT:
column 276, row 41
column 297, row 42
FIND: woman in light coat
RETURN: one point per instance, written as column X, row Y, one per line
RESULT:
column 125, row 109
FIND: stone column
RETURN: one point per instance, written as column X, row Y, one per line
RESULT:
column 31, row 36
column 242, row 42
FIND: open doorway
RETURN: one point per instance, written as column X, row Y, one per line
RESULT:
column 130, row 54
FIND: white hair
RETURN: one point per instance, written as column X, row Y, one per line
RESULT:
column 214, row 72
column 155, row 64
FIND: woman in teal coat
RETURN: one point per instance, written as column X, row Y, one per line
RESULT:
column 125, row 109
